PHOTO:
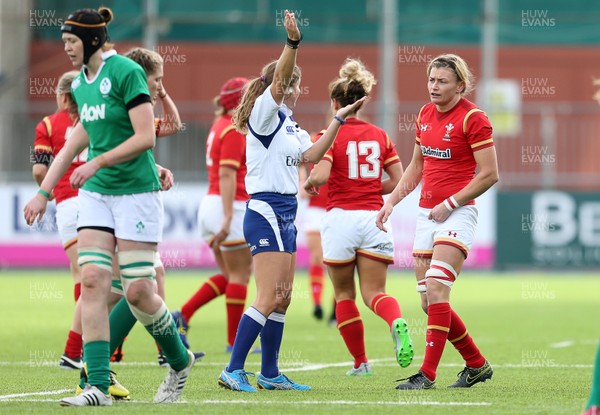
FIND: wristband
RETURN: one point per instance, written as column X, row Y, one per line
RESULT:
column 342, row 122
column 44, row 193
column 451, row 203
column 293, row 44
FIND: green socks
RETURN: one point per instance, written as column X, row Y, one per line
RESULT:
column 121, row 322
column 165, row 333
column 97, row 358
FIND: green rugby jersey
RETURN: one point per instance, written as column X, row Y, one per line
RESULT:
column 102, row 104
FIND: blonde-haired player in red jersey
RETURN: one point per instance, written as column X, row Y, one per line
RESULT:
column 50, row 136
column 454, row 137
column 221, row 216
column 353, row 168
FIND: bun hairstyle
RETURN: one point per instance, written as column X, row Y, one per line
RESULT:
column 458, row 66
column 106, row 14
column 355, row 81
column 90, row 26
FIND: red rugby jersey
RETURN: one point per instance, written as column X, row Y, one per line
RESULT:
column 359, row 154
column 448, row 141
column 226, row 147
column 50, row 136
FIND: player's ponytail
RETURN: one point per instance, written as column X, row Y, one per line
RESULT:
column 255, row 88
column 355, row 81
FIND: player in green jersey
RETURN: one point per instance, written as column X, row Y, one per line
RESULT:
column 119, row 200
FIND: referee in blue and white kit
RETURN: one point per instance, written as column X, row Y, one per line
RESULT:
column 275, row 146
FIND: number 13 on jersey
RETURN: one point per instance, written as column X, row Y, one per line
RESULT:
column 369, row 170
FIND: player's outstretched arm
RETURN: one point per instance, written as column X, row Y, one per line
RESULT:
column 318, row 150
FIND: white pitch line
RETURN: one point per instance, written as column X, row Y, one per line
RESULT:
column 386, row 362
column 561, row 345
column 271, row 402
column 21, row 395
column 433, row 403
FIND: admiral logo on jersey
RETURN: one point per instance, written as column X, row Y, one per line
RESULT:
column 92, row 113
column 436, row 152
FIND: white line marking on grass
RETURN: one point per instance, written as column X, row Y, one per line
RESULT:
column 386, row 362
column 245, row 402
column 21, row 395
column 433, row 403
column 561, row 345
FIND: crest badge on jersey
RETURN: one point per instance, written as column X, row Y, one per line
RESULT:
column 105, row 86
column 449, row 127
column 75, row 84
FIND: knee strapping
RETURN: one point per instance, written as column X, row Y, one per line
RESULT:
column 99, row 257
column 136, row 265
column 160, row 318
column 442, row 272
column 117, row 287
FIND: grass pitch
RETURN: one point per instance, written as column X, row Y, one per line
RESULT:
column 539, row 332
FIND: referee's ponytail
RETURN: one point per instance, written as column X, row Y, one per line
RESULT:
column 255, row 88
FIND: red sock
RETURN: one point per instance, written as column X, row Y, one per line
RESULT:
column 438, row 326
column 235, row 301
column 464, row 343
column 315, row 274
column 211, row 289
column 74, row 345
column 352, row 330
column 77, row 291
column 386, row 307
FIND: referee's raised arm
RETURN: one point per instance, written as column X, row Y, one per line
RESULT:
column 287, row 61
